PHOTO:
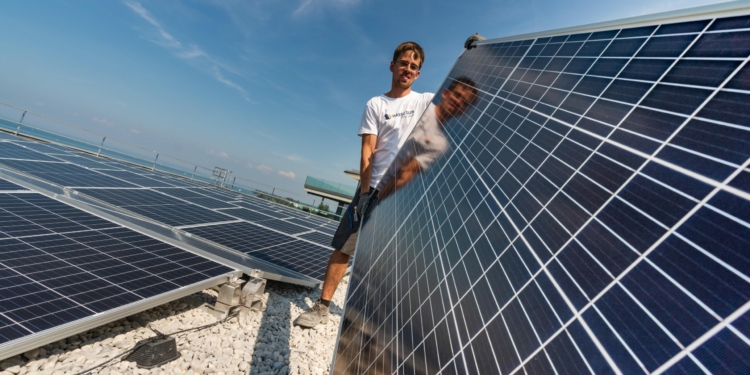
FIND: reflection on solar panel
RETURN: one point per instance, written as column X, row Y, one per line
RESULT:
column 64, row 265
column 156, row 206
column 303, row 257
column 592, row 214
column 9, row 150
column 65, row 174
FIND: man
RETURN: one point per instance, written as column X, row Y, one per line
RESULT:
column 386, row 122
column 428, row 142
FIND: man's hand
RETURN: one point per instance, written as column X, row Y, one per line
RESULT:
column 363, row 204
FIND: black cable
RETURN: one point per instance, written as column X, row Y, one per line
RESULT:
column 160, row 335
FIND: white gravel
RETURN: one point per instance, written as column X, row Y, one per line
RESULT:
column 256, row 343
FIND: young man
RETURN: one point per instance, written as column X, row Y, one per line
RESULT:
column 386, row 122
column 427, row 143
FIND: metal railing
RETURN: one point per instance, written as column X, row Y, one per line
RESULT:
column 37, row 126
column 330, row 187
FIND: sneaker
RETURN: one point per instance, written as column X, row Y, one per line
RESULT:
column 318, row 314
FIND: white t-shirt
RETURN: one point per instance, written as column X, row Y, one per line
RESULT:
column 391, row 120
column 426, row 143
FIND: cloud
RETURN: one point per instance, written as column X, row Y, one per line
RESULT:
column 191, row 53
column 163, row 37
column 220, row 78
column 121, row 104
column 264, row 168
column 135, row 131
column 249, row 164
column 289, row 175
column 310, row 6
column 103, row 121
column 220, row 154
column 293, row 157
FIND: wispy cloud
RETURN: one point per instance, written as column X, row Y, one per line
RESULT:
column 264, row 168
column 103, row 121
column 249, row 164
column 294, row 157
column 189, row 52
column 220, row 154
column 289, row 175
column 135, row 131
column 309, row 6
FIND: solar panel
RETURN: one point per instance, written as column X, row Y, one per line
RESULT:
column 157, row 206
column 64, row 267
column 65, row 174
column 162, row 201
column 304, row 257
column 590, row 215
column 318, row 237
column 193, row 196
column 46, row 148
column 266, row 221
column 6, row 185
column 9, row 150
column 136, row 178
column 84, row 161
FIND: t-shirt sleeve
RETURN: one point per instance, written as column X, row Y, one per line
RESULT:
column 369, row 123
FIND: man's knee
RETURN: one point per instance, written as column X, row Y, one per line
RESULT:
column 338, row 257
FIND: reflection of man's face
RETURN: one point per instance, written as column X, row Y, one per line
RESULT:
column 456, row 100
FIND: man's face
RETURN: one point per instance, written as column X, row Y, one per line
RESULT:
column 405, row 69
column 456, row 100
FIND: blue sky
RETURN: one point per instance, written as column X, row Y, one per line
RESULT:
column 272, row 90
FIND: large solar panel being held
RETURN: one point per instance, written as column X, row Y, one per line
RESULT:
column 63, row 270
column 577, row 201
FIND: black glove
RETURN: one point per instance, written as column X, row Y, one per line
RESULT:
column 363, row 204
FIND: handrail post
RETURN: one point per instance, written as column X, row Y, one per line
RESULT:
column 100, row 146
column 155, row 159
column 194, row 169
column 20, row 122
column 233, row 179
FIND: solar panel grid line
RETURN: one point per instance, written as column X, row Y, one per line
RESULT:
column 532, row 228
column 627, row 148
column 207, row 224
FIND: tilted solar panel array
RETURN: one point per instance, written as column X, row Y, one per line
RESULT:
column 302, row 241
column 66, row 270
column 591, row 216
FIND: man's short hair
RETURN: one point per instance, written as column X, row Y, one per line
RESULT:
column 409, row 46
column 465, row 82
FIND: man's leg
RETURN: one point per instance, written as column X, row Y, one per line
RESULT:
column 334, row 273
column 337, row 265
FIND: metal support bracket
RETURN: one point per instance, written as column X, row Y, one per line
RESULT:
column 246, row 292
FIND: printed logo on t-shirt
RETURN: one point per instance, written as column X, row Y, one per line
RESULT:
column 401, row 114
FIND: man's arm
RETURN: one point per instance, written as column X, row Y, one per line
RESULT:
column 365, row 164
column 405, row 173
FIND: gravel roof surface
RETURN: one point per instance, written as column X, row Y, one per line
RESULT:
column 254, row 343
